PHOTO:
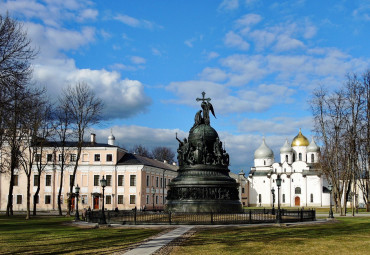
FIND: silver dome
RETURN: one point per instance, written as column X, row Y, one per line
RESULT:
column 286, row 148
column 263, row 152
column 312, row 147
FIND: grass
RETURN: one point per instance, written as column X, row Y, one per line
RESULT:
column 51, row 235
column 348, row 236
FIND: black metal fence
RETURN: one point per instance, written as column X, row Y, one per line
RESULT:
column 248, row 216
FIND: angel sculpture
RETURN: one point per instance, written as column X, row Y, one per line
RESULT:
column 206, row 106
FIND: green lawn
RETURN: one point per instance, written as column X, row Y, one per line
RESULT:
column 48, row 235
column 348, row 236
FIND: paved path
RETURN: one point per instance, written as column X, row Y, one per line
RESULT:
column 157, row 243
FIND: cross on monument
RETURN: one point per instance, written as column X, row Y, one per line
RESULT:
column 203, row 99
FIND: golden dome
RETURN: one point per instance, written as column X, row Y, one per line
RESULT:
column 300, row 140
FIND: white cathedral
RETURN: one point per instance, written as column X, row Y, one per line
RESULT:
column 303, row 185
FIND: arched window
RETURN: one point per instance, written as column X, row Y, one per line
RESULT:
column 300, row 156
column 312, row 158
column 311, row 198
column 297, row 190
column 293, row 157
column 286, row 158
column 264, row 162
column 259, row 198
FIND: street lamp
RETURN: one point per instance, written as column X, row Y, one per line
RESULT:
column 103, row 183
column 153, row 191
column 331, row 216
column 273, row 200
column 278, row 184
column 77, row 192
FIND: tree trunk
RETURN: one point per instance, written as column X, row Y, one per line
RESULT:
column 9, row 207
column 60, row 192
column 36, row 194
column 28, row 195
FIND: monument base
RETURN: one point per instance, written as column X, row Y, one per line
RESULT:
column 204, row 206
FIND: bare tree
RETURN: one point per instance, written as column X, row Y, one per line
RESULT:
column 16, row 55
column 141, row 150
column 162, row 153
column 84, row 109
column 37, row 133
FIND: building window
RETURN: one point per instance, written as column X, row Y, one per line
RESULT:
column 61, row 158
column 120, row 199
column 84, row 200
column 97, row 157
column 242, row 190
column 292, row 180
column 120, row 180
column 85, row 157
column 47, row 199
column 156, row 200
column 147, row 199
column 312, row 158
column 297, row 190
column 147, row 181
column 273, row 181
column 132, row 199
column 132, row 180
column 259, row 198
column 109, row 157
column 293, row 157
column 156, row 181
column 15, row 180
column 161, row 182
column 96, row 180
column 73, row 157
column 19, row 199
column 283, row 198
column 108, row 199
column 286, row 158
column 300, row 156
column 36, row 199
column 48, row 180
column 71, row 180
column 284, row 170
column 109, row 180
column 38, row 157
column 264, row 162
column 49, row 157
column 311, row 198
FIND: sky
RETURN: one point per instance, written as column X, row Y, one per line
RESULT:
column 259, row 62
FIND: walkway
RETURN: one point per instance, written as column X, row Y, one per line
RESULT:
column 157, row 243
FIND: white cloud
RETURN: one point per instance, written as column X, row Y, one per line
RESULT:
column 235, row 41
column 134, row 22
column 229, row 5
column 190, row 42
column 212, row 55
column 156, row 52
column 138, row 60
column 285, row 43
column 213, row 74
column 248, row 20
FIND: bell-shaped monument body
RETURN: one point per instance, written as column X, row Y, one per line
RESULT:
column 203, row 183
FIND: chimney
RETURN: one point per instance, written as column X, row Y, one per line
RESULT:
column 92, row 138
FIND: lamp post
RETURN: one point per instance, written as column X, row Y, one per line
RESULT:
column 331, row 216
column 103, row 183
column 153, row 191
column 273, row 200
column 77, row 192
column 278, row 184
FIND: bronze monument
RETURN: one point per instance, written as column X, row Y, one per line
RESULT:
column 203, row 183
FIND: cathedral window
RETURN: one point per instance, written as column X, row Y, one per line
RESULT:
column 259, row 198
column 297, row 190
column 264, row 162
column 292, row 180
column 284, row 170
column 286, row 158
column 283, row 198
column 311, row 198
column 293, row 157
column 312, row 158
column 300, row 156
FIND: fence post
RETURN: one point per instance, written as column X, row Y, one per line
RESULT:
column 301, row 215
column 250, row 216
column 135, row 214
column 169, row 217
column 108, row 218
column 211, row 217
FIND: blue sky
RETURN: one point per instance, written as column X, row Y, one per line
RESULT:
column 259, row 61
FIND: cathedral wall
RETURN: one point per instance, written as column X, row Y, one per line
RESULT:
column 302, row 150
column 263, row 162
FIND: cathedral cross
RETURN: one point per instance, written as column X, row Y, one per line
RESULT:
column 203, row 99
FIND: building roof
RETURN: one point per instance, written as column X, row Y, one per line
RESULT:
column 286, row 148
column 135, row 159
column 300, row 140
column 313, row 147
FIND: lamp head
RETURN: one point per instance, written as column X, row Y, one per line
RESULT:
column 77, row 189
column 278, row 180
column 103, row 182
